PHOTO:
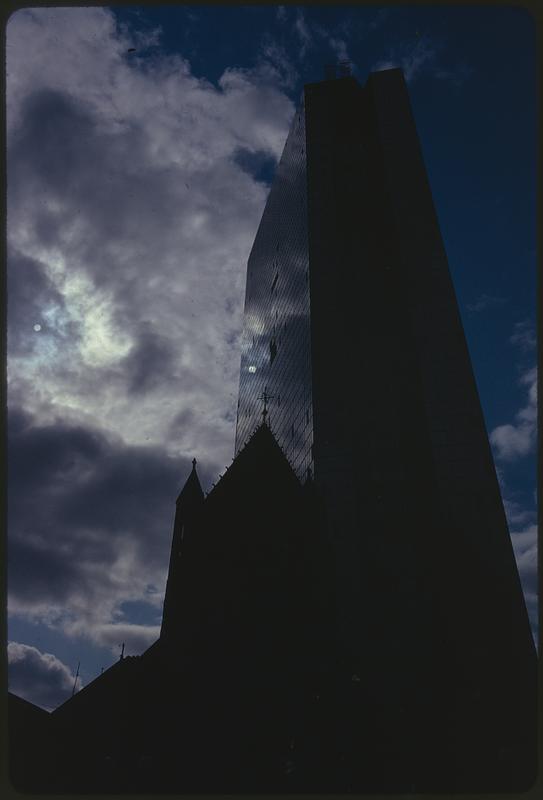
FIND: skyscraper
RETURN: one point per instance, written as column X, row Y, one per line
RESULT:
column 353, row 337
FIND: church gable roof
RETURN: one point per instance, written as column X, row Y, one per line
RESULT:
column 259, row 465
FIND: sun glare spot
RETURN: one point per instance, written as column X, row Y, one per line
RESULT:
column 102, row 343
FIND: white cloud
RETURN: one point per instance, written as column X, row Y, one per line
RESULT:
column 514, row 440
column 40, row 678
column 136, row 638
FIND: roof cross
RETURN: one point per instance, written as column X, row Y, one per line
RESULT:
column 265, row 397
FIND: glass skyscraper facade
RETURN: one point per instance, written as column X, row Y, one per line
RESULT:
column 276, row 349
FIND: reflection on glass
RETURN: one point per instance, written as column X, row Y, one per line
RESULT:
column 276, row 348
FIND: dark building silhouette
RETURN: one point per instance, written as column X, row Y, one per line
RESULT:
column 30, row 745
column 235, row 695
column 343, row 610
column 352, row 326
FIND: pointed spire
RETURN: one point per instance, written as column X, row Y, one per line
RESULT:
column 188, row 505
column 192, row 489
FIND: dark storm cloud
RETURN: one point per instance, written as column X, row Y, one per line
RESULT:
column 38, row 677
column 65, row 156
column 150, row 362
column 55, row 451
column 90, row 523
column 54, row 130
column 39, row 575
column 181, row 421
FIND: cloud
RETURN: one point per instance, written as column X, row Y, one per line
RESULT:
column 339, row 46
column 90, row 521
column 257, row 164
column 275, row 63
column 134, row 192
column 418, row 56
column 514, row 440
column 485, row 301
column 150, row 361
column 335, row 38
column 457, row 75
column 525, row 547
column 306, row 35
column 303, row 32
column 524, row 335
column 518, row 514
column 40, row 678
column 33, row 300
column 413, row 57
column 130, row 223
column 136, row 638
column 523, row 527
column 510, row 443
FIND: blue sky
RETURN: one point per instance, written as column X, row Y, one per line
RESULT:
column 141, row 145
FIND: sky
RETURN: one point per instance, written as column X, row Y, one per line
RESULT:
column 141, row 144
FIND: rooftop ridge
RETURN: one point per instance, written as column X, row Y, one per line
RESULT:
column 243, row 449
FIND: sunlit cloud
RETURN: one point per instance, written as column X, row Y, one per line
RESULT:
column 517, row 439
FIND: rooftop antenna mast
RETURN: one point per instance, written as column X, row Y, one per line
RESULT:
column 76, row 677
